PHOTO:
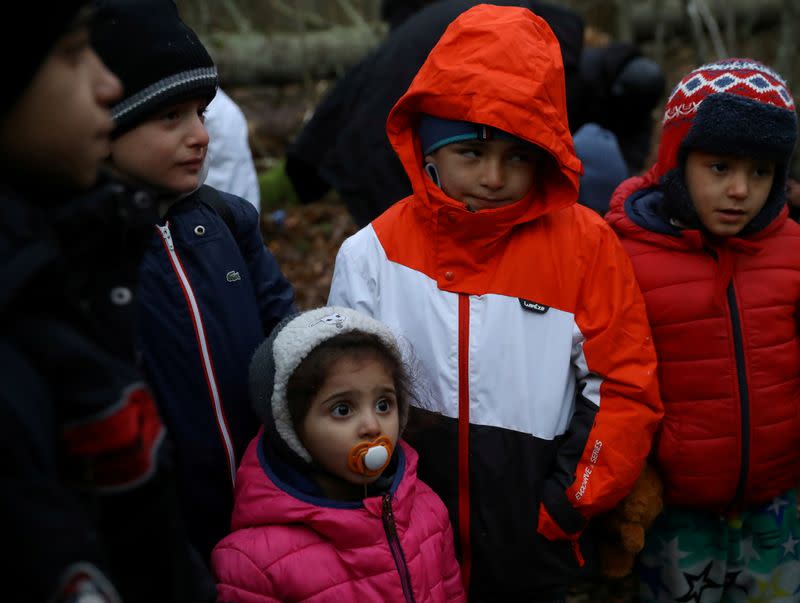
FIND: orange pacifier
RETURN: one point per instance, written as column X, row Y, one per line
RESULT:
column 370, row 458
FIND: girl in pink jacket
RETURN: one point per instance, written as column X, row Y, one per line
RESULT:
column 328, row 506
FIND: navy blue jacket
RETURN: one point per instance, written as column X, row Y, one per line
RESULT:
column 86, row 480
column 209, row 294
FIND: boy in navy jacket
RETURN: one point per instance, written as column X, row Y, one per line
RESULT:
column 210, row 291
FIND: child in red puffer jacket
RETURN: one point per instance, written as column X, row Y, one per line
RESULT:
column 718, row 263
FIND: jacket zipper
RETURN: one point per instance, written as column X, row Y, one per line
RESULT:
column 202, row 344
column 394, row 545
column 744, row 397
column 464, row 512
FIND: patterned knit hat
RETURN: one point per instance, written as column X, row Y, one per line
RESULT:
column 734, row 107
column 25, row 53
column 278, row 357
column 159, row 59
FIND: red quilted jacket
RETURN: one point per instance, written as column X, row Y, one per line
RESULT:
column 725, row 326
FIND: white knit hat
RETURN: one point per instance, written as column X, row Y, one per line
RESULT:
column 290, row 343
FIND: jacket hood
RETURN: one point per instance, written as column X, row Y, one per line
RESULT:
column 264, row 499
column 498, row 66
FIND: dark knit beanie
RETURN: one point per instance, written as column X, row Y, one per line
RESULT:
column 437, row 132
column 159, row 58
column 734, row 107
column 27, row 37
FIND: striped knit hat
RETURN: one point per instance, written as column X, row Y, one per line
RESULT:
column 159, row 58
column 735, row 106
column 437, row 132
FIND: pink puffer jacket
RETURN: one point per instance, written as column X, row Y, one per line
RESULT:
column 289, row 547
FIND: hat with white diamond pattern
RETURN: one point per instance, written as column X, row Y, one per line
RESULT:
column 735, row 106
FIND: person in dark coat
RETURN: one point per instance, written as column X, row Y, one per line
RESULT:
column 210, row 290
column 89, row 508
column 395, row 12
column 603, row 166
column 344, row 145
column 618, row 88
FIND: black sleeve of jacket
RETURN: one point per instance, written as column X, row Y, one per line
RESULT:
column 45, row 527
column 83, row 450
column 570, row 451
column 63, row 512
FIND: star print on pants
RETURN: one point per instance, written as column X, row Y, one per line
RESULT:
column 730, row 581
column 698, row 583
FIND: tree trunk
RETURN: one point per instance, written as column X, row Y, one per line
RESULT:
column 254, row 58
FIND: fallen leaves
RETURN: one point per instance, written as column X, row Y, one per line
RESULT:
column 305, row 239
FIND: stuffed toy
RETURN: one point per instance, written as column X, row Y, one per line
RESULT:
column 622, row 530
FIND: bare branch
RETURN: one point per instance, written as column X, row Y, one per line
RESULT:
column 356, row 17
column 660, row 31
column 674, row 15
column 701, row 44
column 730, row 26
column 311, row 19
column 712, row 27
column 624, row 20
column 787, row 47
column 242, row 23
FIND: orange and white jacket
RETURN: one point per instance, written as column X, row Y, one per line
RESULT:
column 526, row 323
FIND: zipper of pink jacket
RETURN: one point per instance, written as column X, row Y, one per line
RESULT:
column 394, row 545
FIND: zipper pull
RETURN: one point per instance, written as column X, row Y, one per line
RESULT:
column 388, row 516
column 167, row 235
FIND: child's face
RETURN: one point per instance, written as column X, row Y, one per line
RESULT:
column 59, row 129
column 485, row 174
column 727, row 191
column 357, row 402
column 167, row 150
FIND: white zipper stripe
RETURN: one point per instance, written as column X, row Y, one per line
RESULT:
column 201, row 341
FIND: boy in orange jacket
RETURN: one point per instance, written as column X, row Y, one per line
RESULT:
column 520, row 305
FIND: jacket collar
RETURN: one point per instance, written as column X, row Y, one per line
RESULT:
column 263, row 498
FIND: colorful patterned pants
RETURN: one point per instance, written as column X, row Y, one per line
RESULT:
column 704, row 558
